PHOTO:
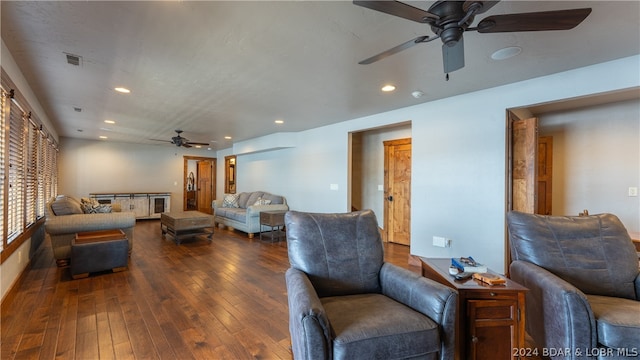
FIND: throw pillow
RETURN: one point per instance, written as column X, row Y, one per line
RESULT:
column 86, row 200
column 89, row 208
column 230, row 201
column 65, row 205
column 262, row 201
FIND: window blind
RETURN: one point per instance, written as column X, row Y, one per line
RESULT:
column 16, row 172
column 3, row 108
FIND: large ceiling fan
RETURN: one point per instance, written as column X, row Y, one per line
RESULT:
column 178, row 141
column 450, row 19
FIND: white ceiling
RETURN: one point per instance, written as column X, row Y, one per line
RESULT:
column 216, row 69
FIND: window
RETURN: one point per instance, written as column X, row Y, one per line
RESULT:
column 3, row 109
column 28, row 167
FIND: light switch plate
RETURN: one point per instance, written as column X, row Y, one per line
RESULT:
column 439, row 241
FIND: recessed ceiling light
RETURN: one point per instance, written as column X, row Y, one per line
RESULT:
column 122, row 90
column 109, row 121
column 228, row 137
column 198, row 146
column 388, row 88
column 506, row 53
column 279, row 121
column 103, row 137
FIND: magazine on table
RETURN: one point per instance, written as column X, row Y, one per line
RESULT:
column 468, row 265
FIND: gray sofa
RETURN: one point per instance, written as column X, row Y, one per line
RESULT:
column 65, row 217
column 244, row 213
column 345, row 302
column 584, row 284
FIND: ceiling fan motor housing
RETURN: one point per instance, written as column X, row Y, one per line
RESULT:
column 447, row 26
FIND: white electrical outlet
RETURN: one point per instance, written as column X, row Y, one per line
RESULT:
column 333, row 186
column 380, row 188
column 439, row 241
column 633, row 191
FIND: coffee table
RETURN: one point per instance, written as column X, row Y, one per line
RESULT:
column 95, row 251
column 186, row 224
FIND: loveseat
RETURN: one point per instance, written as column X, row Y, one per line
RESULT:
column 242, row 211
column 584, row 284
column 65, row 217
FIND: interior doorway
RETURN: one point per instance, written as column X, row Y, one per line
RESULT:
column 366, row 178
column 199, row 183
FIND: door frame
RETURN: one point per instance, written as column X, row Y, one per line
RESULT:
column 512, row 117
column 186, row 159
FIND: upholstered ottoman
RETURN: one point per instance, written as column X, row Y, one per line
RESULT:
column 98, row 251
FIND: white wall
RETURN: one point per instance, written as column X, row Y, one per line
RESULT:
column 9, row 65
column 595, row 160
column 458, row 179
column 87, row 166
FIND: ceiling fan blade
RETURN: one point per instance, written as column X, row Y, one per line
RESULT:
column 397, row 49
column 197, row 143
column 399, row 9
column 538, row 21
column 169, row 141
column 187, row 145
column 453, row 56
column 485, row 6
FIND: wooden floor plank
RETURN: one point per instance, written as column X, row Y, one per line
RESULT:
column 224, row 299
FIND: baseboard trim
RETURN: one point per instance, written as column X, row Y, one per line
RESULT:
column 414, row 260
column 13, row 290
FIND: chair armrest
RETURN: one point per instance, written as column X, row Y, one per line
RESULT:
column 66, row 224
column 308, row 322
column 558, row 314
column 217, row 203
column 435, row 300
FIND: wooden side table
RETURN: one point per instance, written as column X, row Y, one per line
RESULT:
column 490, row 318
column 274, row 220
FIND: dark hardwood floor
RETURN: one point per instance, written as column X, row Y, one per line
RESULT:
column 224, row 299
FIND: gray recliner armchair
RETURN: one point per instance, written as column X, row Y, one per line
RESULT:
column 584, row 284
column 345, row 302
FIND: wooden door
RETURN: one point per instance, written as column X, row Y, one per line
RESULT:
column 523, row 167
column 544, row 175
column 204, row 188
column 397, row 179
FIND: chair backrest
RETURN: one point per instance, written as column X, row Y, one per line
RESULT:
column 593, row 253
column 341, row 253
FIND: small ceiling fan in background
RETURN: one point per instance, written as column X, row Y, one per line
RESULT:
column 450, row 19
column 178, row 141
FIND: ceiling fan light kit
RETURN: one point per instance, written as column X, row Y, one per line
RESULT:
column 449, row 20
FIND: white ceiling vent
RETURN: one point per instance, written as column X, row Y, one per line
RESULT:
column 72, row 59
